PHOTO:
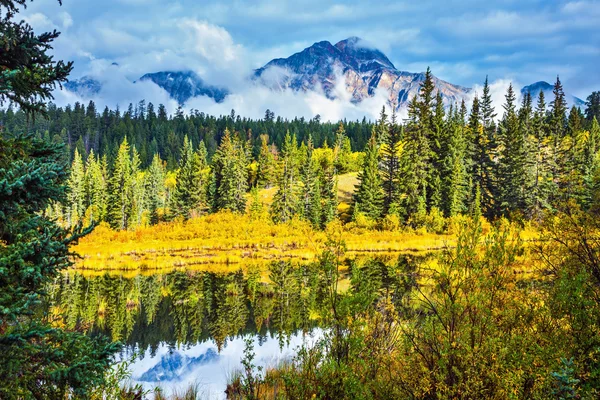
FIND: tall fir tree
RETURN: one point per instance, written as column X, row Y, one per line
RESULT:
column 285, row 202
column 155, row 189
column 390, row 165
column 121, row 188
column 512, row 159
column 76, row 195
column 37, row 360
column 266, row 164
column 368, row 196
column 186, row 197
column 485, row 153
column 310, row 196
column 230, row 175
column 95, row 189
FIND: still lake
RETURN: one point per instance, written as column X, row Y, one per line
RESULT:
column 188, row 327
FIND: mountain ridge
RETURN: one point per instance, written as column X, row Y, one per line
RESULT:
column 351, row 65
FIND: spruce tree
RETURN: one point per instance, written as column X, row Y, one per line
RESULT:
column 285, row 202
column 121, row 189
column 558, row 111
column 186, row 197
column 138, row 195
column 485, row 152
column 512, row 159
column 541, row 183
column 390, row 166
column 342, row 150
column 592, row 106
column 230, row 175
column 311, row 188
column 95, row 189
column 455, row 178
column 76, row 194
column 37, row 360
column 155, row 188
column 266, row 164
column 368, row 196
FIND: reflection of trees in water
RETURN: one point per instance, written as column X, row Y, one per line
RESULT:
column 190, row 307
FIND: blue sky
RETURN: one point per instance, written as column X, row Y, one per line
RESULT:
column 521, row 41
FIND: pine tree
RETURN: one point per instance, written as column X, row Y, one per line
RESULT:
column 76, row 196
column 440, row 132
column 485, row 152
column 342, row 151
column 368, row 197
column 285, row 201
column 37, row 360
column 230, row 175
column 186, row 197
column 155, row 188
column 558, row 111
column 121, row 189
column 557, row 129
column 266, row 164
column 455, row 178
column 95, row 189
column 138, row 193
column 592, row 106
column 512, row 159
column 540, row 184
column 311, row 190
column 256, row 207
column 329, row 197
column 390, row 166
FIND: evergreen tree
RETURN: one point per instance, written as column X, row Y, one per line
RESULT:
column 329, row 190
column 121, row 189
column 155, row 188
column 37, row 360
column 368, row 197
column 557, row 129
column 592, row 106
column 186, row 197
column 540, row 184
column 285, row 201
column 455, row 178
column 485, row 146
column 138, row 192
column 440, row 133
column 390, row 165
column 311, row 190
column 95, row 189
column 512, row 158
column 76, row 195
column 558, row 111
column 342, row 151
column 266, row 163
column 230, row 175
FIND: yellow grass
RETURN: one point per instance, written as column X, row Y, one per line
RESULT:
column 225, row 241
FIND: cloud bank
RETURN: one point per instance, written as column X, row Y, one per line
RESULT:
column 223, row 41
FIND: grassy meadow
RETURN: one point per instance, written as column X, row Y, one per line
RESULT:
column 226, row 241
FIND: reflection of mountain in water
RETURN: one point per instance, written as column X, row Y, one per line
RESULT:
column 173, row 366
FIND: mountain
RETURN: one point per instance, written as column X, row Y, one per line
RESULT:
column 183, row 85
column 547, row 88
column 86, row 86
column 172, row 366
column 364, row 70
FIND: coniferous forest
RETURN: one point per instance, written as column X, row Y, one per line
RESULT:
column 453, row 253
column 140, row 167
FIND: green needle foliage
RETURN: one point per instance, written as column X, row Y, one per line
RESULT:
column 37, row 360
